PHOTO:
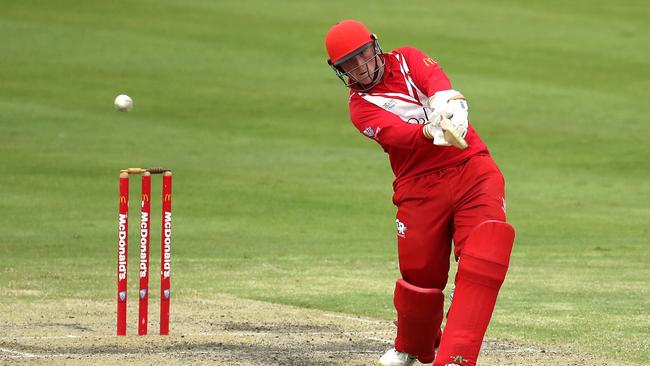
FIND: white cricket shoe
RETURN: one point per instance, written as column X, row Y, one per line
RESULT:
column 394, row 358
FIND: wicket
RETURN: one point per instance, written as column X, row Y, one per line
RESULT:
column 165, row 249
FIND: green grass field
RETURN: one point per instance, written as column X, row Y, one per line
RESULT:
column 278, row 197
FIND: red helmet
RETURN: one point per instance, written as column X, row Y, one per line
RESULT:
column 344, row 38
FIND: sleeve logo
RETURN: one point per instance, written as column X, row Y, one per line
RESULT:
column 428, row 61
column 369, row 132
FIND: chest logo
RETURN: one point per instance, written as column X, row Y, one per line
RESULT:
column 389, row 104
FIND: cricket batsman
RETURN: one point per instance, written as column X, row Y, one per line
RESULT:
column 447, row 189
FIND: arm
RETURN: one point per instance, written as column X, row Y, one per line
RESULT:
column 389, row 130
column 449, row 106
column 386, row 128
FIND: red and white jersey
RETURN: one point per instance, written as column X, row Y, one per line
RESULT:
column 393, row 112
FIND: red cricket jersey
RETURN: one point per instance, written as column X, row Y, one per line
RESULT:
column 393, row 112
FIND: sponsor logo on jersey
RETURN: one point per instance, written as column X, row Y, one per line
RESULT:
column 389, row 104
column 428, row 61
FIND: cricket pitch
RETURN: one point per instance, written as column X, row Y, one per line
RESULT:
column 223, row 330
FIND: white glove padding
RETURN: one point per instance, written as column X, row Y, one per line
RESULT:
column 442, row 97
column 458, row 117
column 444, row 111
column 447, row 104
column 434, row 132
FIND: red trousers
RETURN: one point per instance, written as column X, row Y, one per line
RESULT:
column 444, row 205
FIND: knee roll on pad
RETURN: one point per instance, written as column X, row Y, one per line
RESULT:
column 419, row 315
column 417, row 302
column 486, row 256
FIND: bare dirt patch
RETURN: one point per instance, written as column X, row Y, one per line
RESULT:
column 223, row 330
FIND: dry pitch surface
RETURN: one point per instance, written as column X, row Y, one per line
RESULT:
column 223, row 330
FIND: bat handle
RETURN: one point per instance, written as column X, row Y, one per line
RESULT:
column 450, row 136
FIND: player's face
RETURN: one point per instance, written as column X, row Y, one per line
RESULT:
column 362, row 66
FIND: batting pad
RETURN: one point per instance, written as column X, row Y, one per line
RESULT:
column 486, row 256
column 419, row 314
column 481, row 270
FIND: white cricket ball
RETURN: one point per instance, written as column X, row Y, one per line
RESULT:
column 123, row 103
